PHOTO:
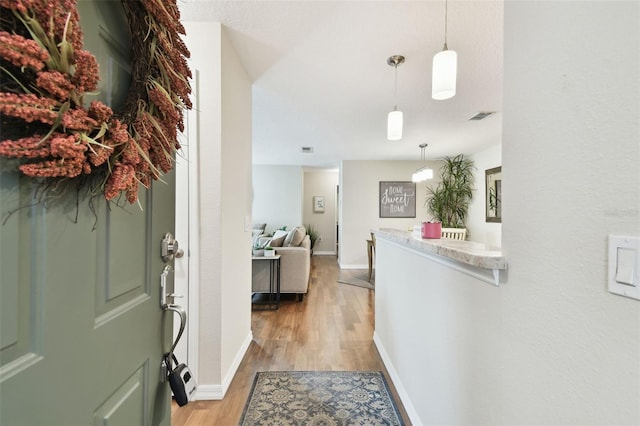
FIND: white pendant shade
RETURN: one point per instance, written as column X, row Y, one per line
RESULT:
column 422, row 174
column 394, row 125
column 445, row 69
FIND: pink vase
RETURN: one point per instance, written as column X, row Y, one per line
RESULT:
column 432, row 230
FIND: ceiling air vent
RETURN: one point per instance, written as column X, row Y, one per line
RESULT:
column 481, row 115
column 306, row 149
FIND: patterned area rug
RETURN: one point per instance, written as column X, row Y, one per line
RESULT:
column 320, row 398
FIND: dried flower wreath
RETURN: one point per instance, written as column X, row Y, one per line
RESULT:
column 45, row 74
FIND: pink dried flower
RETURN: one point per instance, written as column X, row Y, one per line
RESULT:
column 177, row 82
column 160, row 159
column 144, row 166
column 173, row 46
column 120, row 180
column 130, row 153
column 145, row 180
column 164, row 104
column 100, row 153
column 132, row 191
column 142, row 127
column 28, row 107
column 66, row 15
column 53, row 168
column 87, row 74
column 99, row 111
column 29, row 147
column 171, row 134
column 169, row 18
column 56, row 83
column 78, row 119
column 67, row 146
column 18, row 5
column 144, row 143
column 22, row 52
column 118, row 132
column 54, row 17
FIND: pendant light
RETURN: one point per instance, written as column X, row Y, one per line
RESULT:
column 423, row 173
column 394, row 120
column 445, row 69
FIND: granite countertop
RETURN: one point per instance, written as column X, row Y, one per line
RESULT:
column 468, row 252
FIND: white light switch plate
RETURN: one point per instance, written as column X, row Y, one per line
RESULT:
column 624, row 266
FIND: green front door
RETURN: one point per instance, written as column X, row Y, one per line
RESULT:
column 82, row 331
column 81, row 319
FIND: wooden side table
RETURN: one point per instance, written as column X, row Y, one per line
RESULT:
column 370, row 252
column 272, row 301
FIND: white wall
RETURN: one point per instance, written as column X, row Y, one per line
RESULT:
column 570, row 352
column 235, row 206
column 224, row 139
column 359, row 193
column 551, row 346
column 438, row 331
column 479, row 230
column 324, row 183
column 277, row 196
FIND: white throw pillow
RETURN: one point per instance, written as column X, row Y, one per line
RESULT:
column 255, row 236
column 295, row 237
column 278, row 238
column 289, row 238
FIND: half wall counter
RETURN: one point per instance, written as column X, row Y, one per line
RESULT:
column 438, row 324
column 465, row 256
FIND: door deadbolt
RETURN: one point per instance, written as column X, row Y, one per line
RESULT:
column 170, row 248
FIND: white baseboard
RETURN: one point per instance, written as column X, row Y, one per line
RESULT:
column 208, row 393
column 397, row 383
column 356, row 266
column 324, row 253
column 217, row 392
column 226, row 382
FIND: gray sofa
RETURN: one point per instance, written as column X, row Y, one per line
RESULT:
column 295, row 267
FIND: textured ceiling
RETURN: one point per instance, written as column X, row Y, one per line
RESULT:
column 320, row 76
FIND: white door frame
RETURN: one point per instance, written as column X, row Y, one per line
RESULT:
column 187, row 276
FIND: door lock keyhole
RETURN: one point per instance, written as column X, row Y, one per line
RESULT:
column 170, row 248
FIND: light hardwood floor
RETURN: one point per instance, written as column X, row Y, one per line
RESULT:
column 332, row 329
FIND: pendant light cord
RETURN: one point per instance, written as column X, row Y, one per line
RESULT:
column 422, row 156
column 446, row 13
column 394, row 61
column 395, row 88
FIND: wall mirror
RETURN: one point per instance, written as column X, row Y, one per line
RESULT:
column 493, row 197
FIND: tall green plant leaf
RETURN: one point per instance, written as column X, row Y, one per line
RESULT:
column 449, row 200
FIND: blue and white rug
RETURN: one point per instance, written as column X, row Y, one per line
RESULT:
column 320, row 398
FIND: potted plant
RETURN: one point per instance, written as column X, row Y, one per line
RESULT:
column 269, row 251
column 313, row 234
column 449, row 200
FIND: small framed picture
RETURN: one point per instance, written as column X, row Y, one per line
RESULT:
column 318, row 204
column 493, row 185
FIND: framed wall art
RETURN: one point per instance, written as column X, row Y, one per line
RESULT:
column 493, row 197
column 397, row 199
column 318, row 204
